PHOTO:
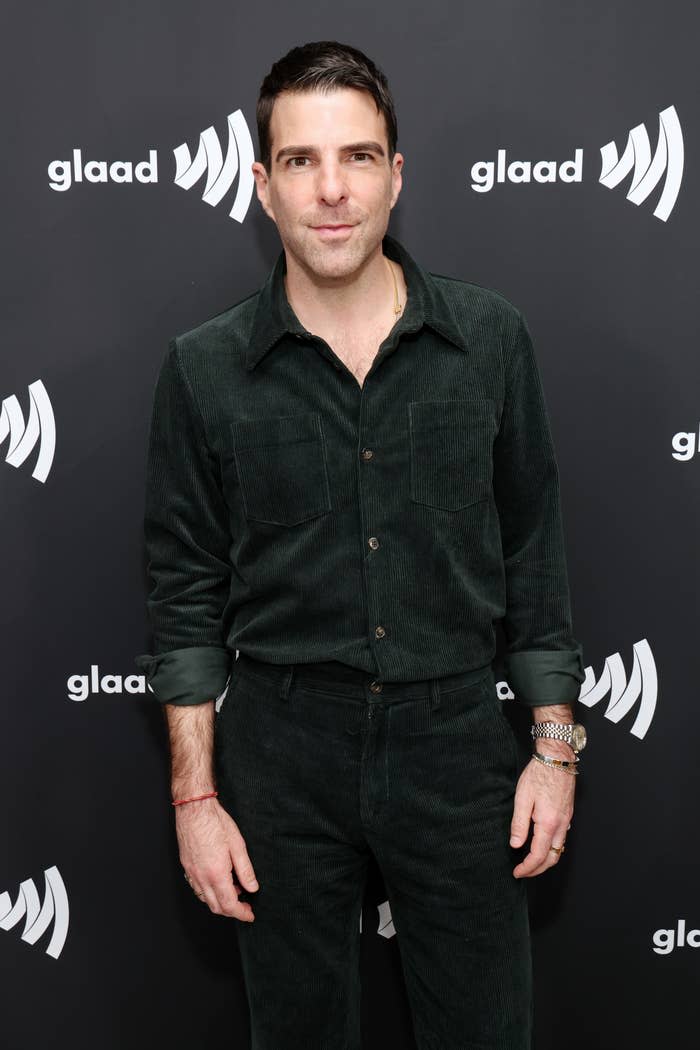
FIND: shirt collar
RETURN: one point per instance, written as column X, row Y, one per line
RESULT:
column 426, row 305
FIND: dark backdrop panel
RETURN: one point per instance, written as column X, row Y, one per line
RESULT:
column 102, row 942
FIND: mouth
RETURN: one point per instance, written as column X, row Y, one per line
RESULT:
column 334, row 231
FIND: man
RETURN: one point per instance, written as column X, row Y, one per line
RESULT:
column 351, row 478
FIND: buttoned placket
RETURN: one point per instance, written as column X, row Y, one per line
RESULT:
column 376, row 630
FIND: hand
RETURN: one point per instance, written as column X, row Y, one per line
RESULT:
column 213, row 854
column 545, row 796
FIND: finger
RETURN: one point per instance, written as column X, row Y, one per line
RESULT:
column 539, row 848
column 209, row 886
column 553, row 856
column 551, row 859
column 226, row 892
column 200, row 894
column 242, row 864
column 219, row 894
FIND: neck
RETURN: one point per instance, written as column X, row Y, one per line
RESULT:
column 348, row 301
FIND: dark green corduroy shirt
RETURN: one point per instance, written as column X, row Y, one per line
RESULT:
column 298, row 517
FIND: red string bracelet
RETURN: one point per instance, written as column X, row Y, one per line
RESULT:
column 196, row 798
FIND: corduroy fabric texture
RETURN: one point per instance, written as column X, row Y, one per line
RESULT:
column 320, row 772
column 298, row 517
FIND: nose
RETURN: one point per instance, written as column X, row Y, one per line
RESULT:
column 332, row 188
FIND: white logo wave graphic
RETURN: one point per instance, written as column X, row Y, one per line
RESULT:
column 642, row 687
column 668, row 158
column 220, row 172
column 385, row 927
column 39, row 916
column 40, row 427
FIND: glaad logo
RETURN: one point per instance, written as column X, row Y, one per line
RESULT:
column 63, row 173
column 668, row 159
column 40, row 427
column 642, row 687
column 685, row 444
column 665, row 941
column 39, row 916
column 647, row 172
column 80, row 686
column 220, row 173
column 385, row 927
column 524, row 171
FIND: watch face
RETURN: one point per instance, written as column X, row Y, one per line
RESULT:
column 578, row 737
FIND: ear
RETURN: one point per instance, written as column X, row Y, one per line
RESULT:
column 396, row 178
column 262, row 187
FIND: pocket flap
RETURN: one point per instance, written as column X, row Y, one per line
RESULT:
column 277, row 430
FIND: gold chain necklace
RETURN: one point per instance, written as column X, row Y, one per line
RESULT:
column 397, row 305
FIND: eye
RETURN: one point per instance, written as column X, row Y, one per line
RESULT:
column 362, row 155
column 291, row 163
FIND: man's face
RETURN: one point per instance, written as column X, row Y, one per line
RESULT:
column 329, row 168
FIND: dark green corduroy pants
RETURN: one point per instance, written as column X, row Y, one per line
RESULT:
column 319, row 769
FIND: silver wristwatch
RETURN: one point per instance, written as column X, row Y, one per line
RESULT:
column 571, row 733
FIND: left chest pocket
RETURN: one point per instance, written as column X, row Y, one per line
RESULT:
column 282, row 468
column 451, row 444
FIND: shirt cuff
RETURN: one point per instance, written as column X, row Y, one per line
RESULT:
column 543, row 677
column 187, row 676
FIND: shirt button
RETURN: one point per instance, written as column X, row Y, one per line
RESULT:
column 366, row 453
column 373, row 542
column 375, row 687
column 379, row 632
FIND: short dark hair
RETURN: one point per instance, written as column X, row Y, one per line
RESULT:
column 323, row 65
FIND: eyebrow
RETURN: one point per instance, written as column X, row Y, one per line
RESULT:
column 354, row 147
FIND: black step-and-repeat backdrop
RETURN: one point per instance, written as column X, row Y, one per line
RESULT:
column 551, row 154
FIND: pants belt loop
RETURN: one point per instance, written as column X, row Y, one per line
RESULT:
column 287, row 684
column 434, row 693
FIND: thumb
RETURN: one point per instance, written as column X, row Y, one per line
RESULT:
column 242, row 864
column 520, row 824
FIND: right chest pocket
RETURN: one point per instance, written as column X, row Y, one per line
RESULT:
column 282, row 468
column 451, row 452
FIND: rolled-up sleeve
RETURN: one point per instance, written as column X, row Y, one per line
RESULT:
column 544, row 662
column 187, row 540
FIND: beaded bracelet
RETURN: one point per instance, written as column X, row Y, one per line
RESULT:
column 196, row 798
column 558, row 763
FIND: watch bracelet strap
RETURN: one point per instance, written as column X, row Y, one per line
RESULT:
column 554, row 731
